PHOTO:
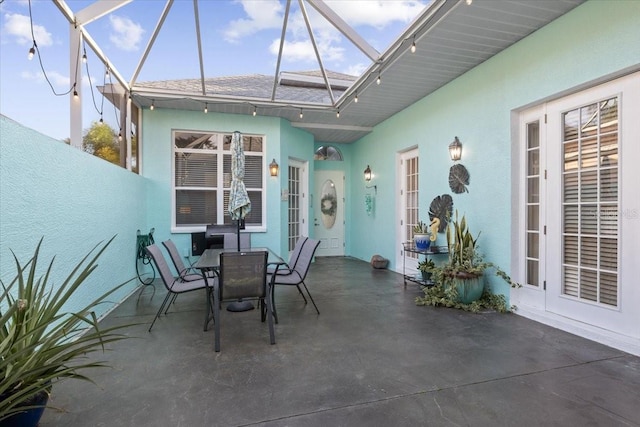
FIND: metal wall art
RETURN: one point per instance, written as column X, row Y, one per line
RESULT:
column 458, row 178
column 441, row 208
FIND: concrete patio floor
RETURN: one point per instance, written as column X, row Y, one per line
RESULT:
column 371, row 358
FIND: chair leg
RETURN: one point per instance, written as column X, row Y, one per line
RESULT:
column 209, row 311
column 273, row 302
column 272, row 335
column 301, row 293
column 314, row 303
column 216, row 315
column 160, row 310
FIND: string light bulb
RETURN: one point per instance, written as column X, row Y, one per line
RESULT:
column 378, row 80
column 338, row 114
column 355, row 99
column 32, row 51
column 206, row 108
column 413, row 45
column 255, row 111
column 152, row 107
column 75, row 94
column 84, row 57
column 106, row 72
column 301, row 114
column 120, row 135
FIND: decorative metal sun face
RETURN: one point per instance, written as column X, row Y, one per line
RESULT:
column 441, row 207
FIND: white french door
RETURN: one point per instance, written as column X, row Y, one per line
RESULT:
column 580, row 212
column 298, row 211
column 409, row 215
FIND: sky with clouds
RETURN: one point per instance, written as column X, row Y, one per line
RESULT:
column 238, row 37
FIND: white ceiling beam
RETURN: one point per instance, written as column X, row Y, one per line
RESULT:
column 282, row 35
column 154, row 35
column 345, row 29
column 199, row 39
column 98, row 9
column 328, row 126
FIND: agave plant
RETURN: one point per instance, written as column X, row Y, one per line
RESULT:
column 40, row 342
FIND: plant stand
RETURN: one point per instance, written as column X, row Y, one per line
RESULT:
column 416, row 277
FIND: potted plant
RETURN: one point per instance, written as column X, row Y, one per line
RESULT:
column 461, row 277
column 40, row 343
column 426, row 267
column 421, row 236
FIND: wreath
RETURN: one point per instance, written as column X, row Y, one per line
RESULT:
column 328, row 204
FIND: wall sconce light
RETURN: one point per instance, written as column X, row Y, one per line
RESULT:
column 273, row 168
column 367, row 174
column 455, row 149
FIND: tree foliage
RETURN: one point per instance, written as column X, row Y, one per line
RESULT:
column 102, row 141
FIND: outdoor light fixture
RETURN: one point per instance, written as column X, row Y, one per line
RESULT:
column 273, row 168
column 367, row 174
column 455, row 150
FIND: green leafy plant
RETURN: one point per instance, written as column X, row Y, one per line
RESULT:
column 426, row 265
column 464, row 262
column 421, row 228
column 40, row 342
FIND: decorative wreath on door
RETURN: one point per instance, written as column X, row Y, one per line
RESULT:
column 328, row 204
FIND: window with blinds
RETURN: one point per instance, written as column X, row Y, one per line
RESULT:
column 202, row 178
column 590, row 202
column 533, row 204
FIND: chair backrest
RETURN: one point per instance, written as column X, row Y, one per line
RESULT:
column 161, row 263
column 293, row 259
column 243, row 274
column 305, row 258
column 175, row 256
column 231, row 241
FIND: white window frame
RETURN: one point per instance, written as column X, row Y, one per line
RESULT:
column 220, row 190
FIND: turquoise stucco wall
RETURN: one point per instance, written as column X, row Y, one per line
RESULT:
column 72, row 199
column 282, row 141
column 595, row 40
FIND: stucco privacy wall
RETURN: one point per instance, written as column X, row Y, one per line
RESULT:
column 72, row 199
column 593, row 41
column 281, row 141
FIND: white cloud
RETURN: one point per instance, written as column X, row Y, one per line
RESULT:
column 19, row 26
column 59, row 81
column 126, row 34
column 261, row 15
column 356, row 69
column 376, row 14
column 302, row 51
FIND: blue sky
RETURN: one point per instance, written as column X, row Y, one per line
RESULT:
column 238, row 37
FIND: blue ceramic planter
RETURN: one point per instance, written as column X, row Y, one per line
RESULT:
column 422, row 241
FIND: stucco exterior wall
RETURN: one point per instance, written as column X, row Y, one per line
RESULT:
column 74, row 201
column 595, row 40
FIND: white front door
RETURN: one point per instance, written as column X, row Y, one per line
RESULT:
column 328, row 212
column 581, row 217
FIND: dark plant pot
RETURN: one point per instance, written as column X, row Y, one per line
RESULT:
column 30, row 417
column 469, row 287
column 426, row 275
